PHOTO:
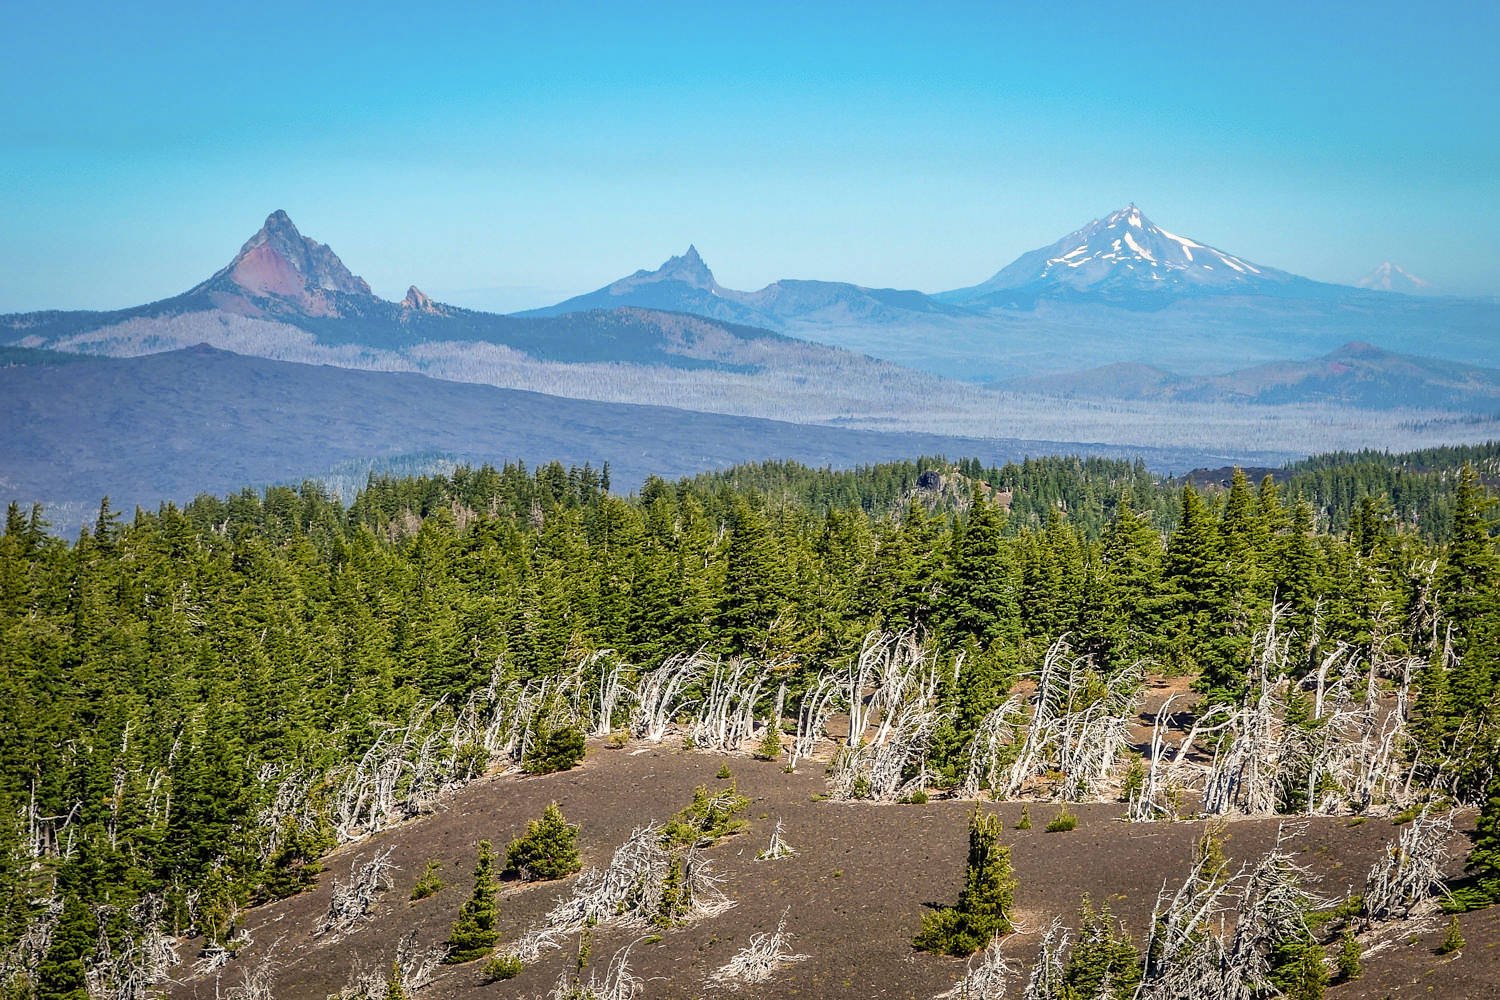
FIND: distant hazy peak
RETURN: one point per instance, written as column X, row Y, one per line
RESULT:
column 1392, row 277
column 419, row 301
column 688, row 268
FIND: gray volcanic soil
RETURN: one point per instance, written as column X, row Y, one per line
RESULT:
column 855, row 893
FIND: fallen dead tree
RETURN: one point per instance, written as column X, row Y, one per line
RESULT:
column 760, row 959
column 646, row 882
column 351, row 901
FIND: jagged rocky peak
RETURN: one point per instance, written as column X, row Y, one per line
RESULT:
column 278, row 260
column 418, row 301
column 688, row 267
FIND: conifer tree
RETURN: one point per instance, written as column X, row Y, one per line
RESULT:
column 474, row 932
column 984, row 903
column 549, row 849
column 395, row 987
column 1103, row 964
column 61, row 974
column 1469, row 592
column 1482, row 884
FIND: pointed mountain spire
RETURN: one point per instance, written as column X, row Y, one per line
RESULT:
column 689, row 268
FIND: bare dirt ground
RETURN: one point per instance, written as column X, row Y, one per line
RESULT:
column 855, row 894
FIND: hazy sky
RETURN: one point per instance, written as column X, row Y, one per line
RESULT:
column 504, row 156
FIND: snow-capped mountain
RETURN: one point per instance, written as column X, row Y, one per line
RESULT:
column 1123, row 259
column 1391, row 277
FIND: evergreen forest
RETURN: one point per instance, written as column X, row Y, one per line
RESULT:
column 202, row 700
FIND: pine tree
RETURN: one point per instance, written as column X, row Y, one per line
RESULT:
column 1199, row 629
column 1482, row 885
column 395, row 987
column 61, row 974
column 1103, row 964
column 549, row 849
column 982, row 600
column 474, row 932
column 984, row 903
column 1469, row 592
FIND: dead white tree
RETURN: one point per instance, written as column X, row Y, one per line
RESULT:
column 611, row 691
column 618, row 982
column 1184, row 952
column 894, row 765
column 985, row 981
column 660, row 695
column 256, row 980
column 1212, row 939
column 418, row 965
column 778, row 848
column 1079, row 726
column 1046, row 979
column 817, row 707
column 144, row 960
column 1410, row 875
column 758, row 961
column 726, row 715
column 995, row 734
column 22, row 959
column 645, row 880
column 350, row 902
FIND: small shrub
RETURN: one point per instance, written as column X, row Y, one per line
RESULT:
column 769, row 747
column 1024, row 823
column 395, row 983
column 673, row 908
column 1349, row 957
column 724, row 774
column 917, row 798
column 548, row 850
column 1135, row 780
column 617, row 739
column 502, row 967
column 555, row 750
column 711, row 815
column 1064, row 821
column 430, row 883
column 1406, row 815
column 1453, row 938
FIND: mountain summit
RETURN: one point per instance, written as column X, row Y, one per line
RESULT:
column 279, row 263
column 1124, row 259
column 1391, row 277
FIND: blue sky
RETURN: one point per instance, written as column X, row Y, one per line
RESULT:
column 503, row 156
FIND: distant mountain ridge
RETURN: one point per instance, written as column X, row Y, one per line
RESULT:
column 685, row 283
column 1118, row 290
column 1356, row 374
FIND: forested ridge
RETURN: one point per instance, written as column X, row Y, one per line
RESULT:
column 198, row 699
